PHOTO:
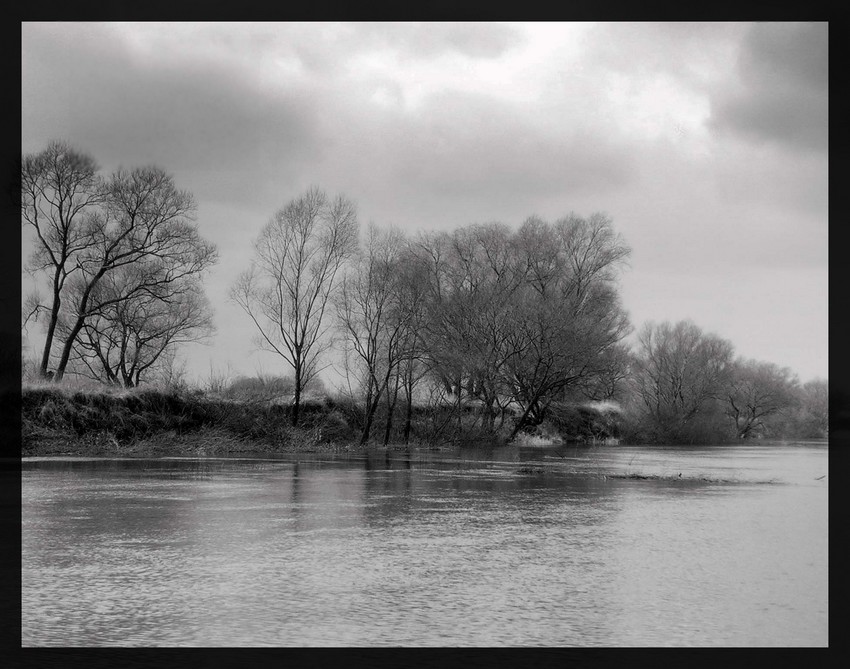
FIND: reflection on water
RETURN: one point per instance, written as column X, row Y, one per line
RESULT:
column 495, row 547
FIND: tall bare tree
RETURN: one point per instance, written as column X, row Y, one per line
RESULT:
column 515, row 319
column 474, row 277
column 373, row 317
column 60, row 187
column 144, row 229
column 286, row 290
column 90, row 230
column 569, row 317
column 414, row 363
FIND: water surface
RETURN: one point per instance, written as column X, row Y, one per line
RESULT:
column 495, row 547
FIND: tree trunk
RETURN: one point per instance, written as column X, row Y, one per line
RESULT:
column 66, row 349
column 81, row 319
column 51, row 330
column 408, row 416
column 521, row 423
column 296, row 403
column 391, row 411
column 367, row 428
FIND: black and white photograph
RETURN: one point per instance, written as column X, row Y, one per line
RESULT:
column 428, row 334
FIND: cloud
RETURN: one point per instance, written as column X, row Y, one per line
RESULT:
column 462, row 157
column 427, row 40
column 705, row 142
column 476, row 143
column 783, row 96
column 196, row 118
column 693, row 54
column 238, row 106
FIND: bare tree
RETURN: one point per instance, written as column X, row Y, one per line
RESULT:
column 568, row 316
column 59, row 188
column 610, row 380
column 514, row 320
column 128, row 337
column 474, row 277
column 756, row 391
column 286, row 290
column 145, row 230
column 374, row 318
column 679, row 372
column 414, row 363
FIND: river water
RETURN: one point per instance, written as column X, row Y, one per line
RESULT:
column 569, row 546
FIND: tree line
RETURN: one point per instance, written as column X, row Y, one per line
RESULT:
column 493, row 329
column 509, row 320
column 687, row 386
column 502, row 327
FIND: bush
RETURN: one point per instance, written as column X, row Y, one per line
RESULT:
column 335, row 428
column 259, row 389
column 585, row 422
column 350, row 410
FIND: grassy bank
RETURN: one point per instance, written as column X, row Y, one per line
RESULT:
column 98, row 420
column 104, row 422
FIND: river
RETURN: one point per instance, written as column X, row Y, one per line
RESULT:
column 567, row 546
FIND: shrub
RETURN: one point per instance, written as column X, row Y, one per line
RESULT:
column 334, row 427
column 585, row 421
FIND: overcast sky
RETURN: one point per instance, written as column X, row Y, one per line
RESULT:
column 706, row 143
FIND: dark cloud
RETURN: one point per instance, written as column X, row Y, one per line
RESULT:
column 784, row 69
column 198, row 114
column 794, row 52
column 198, row 118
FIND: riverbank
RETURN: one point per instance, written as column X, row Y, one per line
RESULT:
column 142, row 423
column 103, row 421
column 201, row 443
